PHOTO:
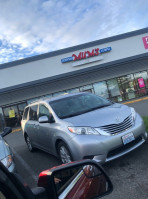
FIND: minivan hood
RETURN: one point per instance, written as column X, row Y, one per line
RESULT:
column 100, row 117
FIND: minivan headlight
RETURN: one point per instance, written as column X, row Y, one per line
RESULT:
column 83, row 130
column 7, row 161
column 133, row 113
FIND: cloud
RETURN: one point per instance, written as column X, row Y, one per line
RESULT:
column 38, row 26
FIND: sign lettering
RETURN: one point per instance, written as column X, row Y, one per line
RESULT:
column 86, row 54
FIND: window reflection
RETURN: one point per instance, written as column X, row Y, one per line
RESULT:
column 114, row 90
column 128, row 87
column 87, row 88
column 100, row 89
column 58, row 93
column 32, row 100
column 73, row 90
column 141, row 79
column 47, row 96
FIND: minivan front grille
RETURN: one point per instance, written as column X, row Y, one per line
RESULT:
column 118, row 128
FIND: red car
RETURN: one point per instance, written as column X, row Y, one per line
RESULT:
column 79, row 180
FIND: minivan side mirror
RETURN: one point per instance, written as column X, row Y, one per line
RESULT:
column 76, row 180
column 6, row 131
column 43, row 119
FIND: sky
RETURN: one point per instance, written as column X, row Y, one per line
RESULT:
column 33, row 27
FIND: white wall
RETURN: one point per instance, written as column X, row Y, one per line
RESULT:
column 52, row 66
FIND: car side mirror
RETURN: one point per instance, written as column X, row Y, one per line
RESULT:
column 43, row 119
column 76, row 180
column 6, row 131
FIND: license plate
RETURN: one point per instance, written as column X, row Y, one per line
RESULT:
column 127, row 138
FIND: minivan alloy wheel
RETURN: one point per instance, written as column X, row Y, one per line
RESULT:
column 64, row 153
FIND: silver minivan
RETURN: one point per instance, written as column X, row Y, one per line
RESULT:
column 82, row 125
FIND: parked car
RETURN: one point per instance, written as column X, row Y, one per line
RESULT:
column 71, row 176
column 6, row 155
column 82, row 125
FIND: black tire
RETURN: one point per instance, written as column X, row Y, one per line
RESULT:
column 29, row 144
column 64, row 153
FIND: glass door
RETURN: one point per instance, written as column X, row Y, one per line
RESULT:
column 11, row 116
column 128, row 87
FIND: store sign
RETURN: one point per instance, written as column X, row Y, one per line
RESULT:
column 86, row 54
column 141, row 83
column 145, row 42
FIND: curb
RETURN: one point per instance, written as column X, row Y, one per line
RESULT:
column 16, row 130
column 134, row 101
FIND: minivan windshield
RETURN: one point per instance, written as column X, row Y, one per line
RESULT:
column 77, row 105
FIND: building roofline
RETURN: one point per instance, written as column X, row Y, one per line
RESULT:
column 74, row 48
column 74, row 73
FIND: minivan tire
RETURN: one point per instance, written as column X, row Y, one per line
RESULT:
column 29, row 144
column 64, row 153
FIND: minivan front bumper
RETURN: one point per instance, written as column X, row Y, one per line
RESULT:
column 104, row 148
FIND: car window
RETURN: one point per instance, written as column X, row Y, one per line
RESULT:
column 33, row 113
column 77, row 105
column 44, row 111
column 25, row 113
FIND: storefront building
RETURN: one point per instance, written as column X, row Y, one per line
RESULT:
column 115, row 68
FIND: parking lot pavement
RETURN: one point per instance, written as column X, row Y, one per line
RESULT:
column 129, row 173
column 29, row 165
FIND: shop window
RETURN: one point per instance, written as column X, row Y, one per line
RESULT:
column 73, row 90
column 32, row 100
column 59, row 93
column 141, row 79
column 87, row 88
column 11, row 116
column 21, row 108
column 100, row 89
column 128, row 87
column 48, row 96
column 114, row 91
